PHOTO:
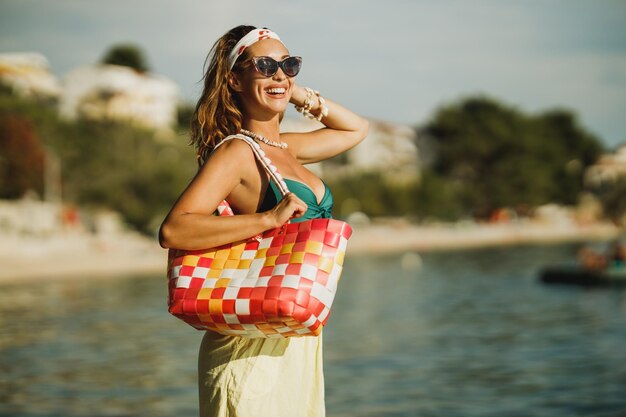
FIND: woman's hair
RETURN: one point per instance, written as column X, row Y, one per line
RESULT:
column 218, row 113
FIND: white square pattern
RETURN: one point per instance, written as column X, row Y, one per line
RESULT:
column 183, row 282
column 242, row 307
column 200, row 272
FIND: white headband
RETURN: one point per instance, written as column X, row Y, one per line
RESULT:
column 250, row 38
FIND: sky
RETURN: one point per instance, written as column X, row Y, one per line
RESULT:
column 392, row 60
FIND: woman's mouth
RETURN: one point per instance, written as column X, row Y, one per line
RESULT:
column 276, row 92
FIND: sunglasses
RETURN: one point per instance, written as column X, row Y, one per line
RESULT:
column 268, row 66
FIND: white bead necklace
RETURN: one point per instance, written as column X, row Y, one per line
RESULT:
column 281, row 145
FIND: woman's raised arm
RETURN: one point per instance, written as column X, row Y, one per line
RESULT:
column 344, row 130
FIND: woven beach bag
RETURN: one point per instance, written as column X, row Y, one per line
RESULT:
column 278, row 284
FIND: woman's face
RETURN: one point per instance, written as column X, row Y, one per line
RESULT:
column 259, row 94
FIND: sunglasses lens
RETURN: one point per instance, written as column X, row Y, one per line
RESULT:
column 267, row 66
column 291, row 66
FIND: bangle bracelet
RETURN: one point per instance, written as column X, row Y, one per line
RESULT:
column 305, row 109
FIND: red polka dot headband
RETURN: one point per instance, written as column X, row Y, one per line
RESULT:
column 250, row 38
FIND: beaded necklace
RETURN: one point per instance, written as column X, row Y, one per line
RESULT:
column 281, row 145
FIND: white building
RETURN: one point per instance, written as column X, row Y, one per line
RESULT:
column 113, row 92
column 28, row 75
column 609, row 168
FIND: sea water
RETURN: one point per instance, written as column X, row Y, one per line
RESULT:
column 466, row 333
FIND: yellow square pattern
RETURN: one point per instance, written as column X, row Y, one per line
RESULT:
column 286, row 248
column 231, row 264
column 236, row 251
column 218, row 263
column 214, row 273
column 297, row 257
column 314, row 247
column 325, row 264
column 215, row 306
column 222, row 254
column 244, row 264
column 222, row 282
column 191, row 260
column 205, row 293
column 340, row 255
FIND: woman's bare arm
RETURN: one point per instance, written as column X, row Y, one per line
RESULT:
column 344, row 130
column 191, row 224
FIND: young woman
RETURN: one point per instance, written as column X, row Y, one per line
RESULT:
column 247, row 87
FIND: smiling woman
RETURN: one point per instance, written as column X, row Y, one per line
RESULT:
column 247, row 87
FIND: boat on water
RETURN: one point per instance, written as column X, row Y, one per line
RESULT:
column 614, row 275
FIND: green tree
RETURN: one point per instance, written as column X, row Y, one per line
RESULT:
column 104, row 164
column 498, row 156
column 184, row 114
column 127, row 55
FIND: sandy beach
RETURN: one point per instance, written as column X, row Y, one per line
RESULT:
column 400, row 236
column 84, row 256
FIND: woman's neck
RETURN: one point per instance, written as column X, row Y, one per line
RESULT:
column 270, row 129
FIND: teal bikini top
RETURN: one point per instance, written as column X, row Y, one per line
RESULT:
column 315, row 210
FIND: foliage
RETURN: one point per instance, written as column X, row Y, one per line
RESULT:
column 498, row 156
column 127, row 55
column 371, row 193
column 112, row 164
column 184, row 114
column 487, row 155
column 429, row 197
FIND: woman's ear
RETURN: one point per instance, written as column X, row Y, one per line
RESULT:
column 234, row 83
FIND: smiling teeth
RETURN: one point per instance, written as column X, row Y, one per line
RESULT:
column 276, row 90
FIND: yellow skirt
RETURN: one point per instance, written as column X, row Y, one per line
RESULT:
column 241, row 377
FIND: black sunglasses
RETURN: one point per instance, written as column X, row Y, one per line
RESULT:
column 268, row 66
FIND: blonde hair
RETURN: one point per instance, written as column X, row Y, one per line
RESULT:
column 217, row 112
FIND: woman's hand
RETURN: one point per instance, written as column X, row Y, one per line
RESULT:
column 298, row 94
column 290, row 207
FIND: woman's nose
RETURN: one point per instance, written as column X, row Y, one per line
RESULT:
column 280, row 75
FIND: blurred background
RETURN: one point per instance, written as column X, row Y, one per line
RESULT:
column 495, row 167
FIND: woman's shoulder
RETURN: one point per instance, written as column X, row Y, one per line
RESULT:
column 233, row 156
column 233, row 151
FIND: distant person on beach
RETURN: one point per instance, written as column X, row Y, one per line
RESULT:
column 593, row 260
column 249, row 82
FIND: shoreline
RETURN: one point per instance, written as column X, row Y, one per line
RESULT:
column 80, row 256
column 399, row 236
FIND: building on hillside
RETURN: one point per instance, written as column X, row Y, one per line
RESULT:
column 28, row 74
column 388, row 149
column 113, row 92
column 608, row 168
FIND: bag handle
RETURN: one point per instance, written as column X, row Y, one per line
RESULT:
column 224, row 208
